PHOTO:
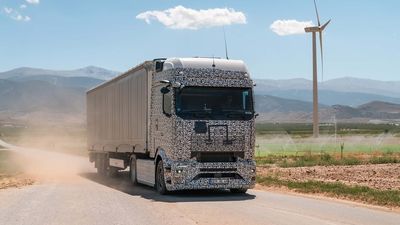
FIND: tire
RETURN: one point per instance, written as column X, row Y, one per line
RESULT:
column 132, row 170
column 101, row 171
column 160, row 180
column 238, row 190
column 101, row 165
column 112, row 171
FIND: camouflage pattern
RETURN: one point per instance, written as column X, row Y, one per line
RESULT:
column 174, row 139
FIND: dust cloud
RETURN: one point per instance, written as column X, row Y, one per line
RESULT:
column 50, row 151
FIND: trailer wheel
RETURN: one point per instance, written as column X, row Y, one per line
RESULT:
column 101, row 165
column 238, row 190
column 112, row 171
column 160, row 181
column 132, row 169
column 101, row 171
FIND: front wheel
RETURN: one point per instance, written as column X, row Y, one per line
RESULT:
column 160, row 180
column 238, row 190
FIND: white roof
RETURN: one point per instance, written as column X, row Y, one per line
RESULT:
column 204, row 63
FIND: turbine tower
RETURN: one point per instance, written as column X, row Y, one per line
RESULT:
column 314, row 30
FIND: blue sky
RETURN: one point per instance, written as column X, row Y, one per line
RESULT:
column 363, row 39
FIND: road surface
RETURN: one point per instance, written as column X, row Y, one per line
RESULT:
column 70, row 192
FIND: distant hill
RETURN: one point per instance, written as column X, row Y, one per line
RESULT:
column 40, row 98
column 343, row 91
column 273, row 109
column 267, row 103
column 24, row 73
column 38, row 95
column 378, row 106
column 79, row 82
column 328, row 97
column 41, row 95
column 345, row 84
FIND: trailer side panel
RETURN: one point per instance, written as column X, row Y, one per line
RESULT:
column 117, row 113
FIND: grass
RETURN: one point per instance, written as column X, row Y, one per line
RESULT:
column 327, row 159
column 337, row 189
column 305, row 129
column 291, row 145
column 264, row 148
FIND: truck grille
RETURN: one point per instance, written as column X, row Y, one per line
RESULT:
column 218, row 175
column 217, row 143
column 205, row 157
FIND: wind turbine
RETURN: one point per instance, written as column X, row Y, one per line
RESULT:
column 314, row 30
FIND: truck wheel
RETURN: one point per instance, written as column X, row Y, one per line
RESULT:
column 238, row 190
column 160, row 181
column 112, row 172
column 101, row 171
column 132, row 169
column 100, row 165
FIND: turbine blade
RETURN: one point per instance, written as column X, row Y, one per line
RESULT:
column 324, row 26
column 316, row 11
column 322, row 55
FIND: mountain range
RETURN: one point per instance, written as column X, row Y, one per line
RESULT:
column 32, row 94
column 344, row 91
column 27, row 73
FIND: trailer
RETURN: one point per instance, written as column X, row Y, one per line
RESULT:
column 177, row 123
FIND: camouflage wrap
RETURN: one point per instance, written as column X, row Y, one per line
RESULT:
column 176, row 139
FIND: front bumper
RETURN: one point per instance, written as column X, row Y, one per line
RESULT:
column 189, row 175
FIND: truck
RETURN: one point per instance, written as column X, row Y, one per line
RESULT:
column 177, row 123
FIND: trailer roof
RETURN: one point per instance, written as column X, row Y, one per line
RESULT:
column 205, row 63
column 194, row 63
column 134, row 69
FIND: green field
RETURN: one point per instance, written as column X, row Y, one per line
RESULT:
column 289, row 145
column 264, row 147
column 302, row 130
column 289, row 139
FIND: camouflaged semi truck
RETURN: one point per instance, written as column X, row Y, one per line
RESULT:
column 178, row 123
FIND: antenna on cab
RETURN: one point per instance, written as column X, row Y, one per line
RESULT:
column 226, row 45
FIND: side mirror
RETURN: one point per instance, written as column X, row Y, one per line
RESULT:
column 166, row 101
column 256, row 115
column 165, row 90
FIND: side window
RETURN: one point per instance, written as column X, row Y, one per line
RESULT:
column 167, row 101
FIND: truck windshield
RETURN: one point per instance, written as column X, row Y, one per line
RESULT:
column 214, row 103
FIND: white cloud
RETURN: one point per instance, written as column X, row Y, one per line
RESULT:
column 27, row 18
column 15, row 15
column 290, row 27
column 33, row 1
column 8, row 10
column 180, row 17
column 23, row 6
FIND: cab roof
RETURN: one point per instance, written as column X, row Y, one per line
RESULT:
column 205, row 63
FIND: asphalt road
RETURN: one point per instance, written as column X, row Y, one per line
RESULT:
column 69, row 192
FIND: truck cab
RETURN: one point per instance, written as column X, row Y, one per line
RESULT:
column 202, row 125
